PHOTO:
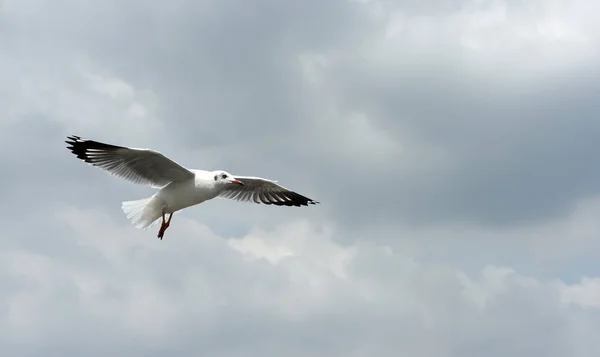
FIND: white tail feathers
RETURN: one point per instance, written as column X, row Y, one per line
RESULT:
column 143, row 213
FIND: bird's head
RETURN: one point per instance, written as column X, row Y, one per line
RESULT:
column 223, row 177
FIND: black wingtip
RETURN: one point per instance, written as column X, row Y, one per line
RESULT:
column 73, row 138
column 81, row 147
column 299, row 200
column 72, row 141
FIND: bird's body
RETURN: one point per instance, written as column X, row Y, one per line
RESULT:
column 182, row 194
column 179, row 187
column 174, row 197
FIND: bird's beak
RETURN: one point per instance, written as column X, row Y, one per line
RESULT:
column 238, row 182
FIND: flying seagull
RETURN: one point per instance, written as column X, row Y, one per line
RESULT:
column 179, row 187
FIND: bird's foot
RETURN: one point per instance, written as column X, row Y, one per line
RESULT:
column 164, row 225
column 162, row 230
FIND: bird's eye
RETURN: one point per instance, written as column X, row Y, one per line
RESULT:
column 216, row 177
column 223, row 176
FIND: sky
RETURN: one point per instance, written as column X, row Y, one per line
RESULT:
column 452, row 146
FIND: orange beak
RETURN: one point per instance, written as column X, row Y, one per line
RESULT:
column 238, row 182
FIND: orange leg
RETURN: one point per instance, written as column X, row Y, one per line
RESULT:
column 164, row 225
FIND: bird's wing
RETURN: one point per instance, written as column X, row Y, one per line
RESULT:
column 260, row 190
column 141, row 166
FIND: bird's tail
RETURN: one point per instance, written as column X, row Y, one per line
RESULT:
column 143, row 213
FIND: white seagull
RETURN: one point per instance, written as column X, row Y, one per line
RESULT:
column 179, row 187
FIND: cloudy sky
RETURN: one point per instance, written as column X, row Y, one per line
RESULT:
column 452, row 145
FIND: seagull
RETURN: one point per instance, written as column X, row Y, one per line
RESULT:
column 179, row 187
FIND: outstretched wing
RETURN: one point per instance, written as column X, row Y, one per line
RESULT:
column 141, row 166
column 265, row 191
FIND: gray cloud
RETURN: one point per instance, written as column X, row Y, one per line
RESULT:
column 460, row 137
column 494, row 138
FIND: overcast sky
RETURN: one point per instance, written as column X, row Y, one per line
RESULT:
column 453, row 146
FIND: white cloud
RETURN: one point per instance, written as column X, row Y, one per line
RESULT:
column 80, row 96
column 149, row 291
column 585, row 294
column 532, row 39
column 297, row 239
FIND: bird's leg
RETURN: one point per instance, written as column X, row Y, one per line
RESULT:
column 163, row 228
column 164, row 225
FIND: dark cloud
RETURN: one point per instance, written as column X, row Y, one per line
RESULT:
column 228, row 77
column 488, row 147
column 515, row 157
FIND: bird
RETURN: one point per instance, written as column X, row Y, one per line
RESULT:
column 178, row 187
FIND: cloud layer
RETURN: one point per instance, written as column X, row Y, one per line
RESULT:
column 451, row 145
column 289, row 290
